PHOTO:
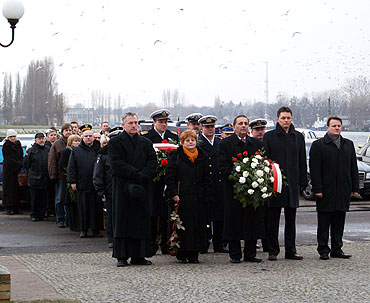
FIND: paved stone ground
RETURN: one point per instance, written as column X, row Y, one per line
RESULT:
column 93, row 277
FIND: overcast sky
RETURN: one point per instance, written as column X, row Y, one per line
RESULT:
column 203, row 48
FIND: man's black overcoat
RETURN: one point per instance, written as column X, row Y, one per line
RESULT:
column 36, row 163
column 191, row 182
column 133, row 160
column 239, row 223
column 334, row 173
column 216, row 209
column 289, row 151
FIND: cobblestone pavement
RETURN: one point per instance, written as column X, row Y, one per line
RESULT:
column 93, row 277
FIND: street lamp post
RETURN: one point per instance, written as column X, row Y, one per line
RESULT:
column 12, row 10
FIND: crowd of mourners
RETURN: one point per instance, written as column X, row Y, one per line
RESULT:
column 106, row 180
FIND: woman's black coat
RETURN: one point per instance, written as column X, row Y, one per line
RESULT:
column 133, row 161
column 289, row 151
column 191, row 182
column 13, row 159
column 333, row 173
column 239, row 223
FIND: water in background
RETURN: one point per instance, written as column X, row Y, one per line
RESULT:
column 356, row 137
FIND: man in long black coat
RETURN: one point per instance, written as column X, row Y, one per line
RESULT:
column 240, row 223
column 334, row 175
column 133, row 162
column 285, row 146
column 80, row 176
column 158, row 205
column 209, row 143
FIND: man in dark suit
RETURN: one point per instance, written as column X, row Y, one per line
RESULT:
column 133, row 162
column 209, row 143
column 334, row 175
column 159, row 207
column 239, row 223
column 285, row 146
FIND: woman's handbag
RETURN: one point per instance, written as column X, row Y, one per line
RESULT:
column 22, row 178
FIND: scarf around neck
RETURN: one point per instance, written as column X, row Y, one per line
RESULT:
column 191, row 155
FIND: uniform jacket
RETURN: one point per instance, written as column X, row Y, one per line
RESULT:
column 36, row 163
column 102, row 176
column 289, row 151
column 153, row 136
column 191, row 182
column 216, row 209
column 53, row 159
column 239, row 223
column 81, row 166
column 334, row 173
column 133, row 161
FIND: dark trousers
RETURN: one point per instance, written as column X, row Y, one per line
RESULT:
column 90, row 211
column 187, row 255
column 273, row 214
column 235, row 250
column 335, row 222
column 159, row 234
column 38, row 202
column 108, row 206
column 217, row 230
column 50, row 207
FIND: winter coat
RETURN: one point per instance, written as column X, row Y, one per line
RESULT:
column 191, row 182
column 81, row 166
column 133, row 161
column 333, row 173
column 53, row 159
column 216, row 209
column 36, row 163
column 13, row 159
column 153, row 136
column 239, row 223
column 102, row 175
column 289, row 151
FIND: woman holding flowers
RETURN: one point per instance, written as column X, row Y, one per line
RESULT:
column 188, row 183
column 241, row 223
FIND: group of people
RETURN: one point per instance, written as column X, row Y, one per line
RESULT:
column 120, row 169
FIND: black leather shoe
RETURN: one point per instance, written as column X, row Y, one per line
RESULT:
column 121, row 263
column 140, row 261
column 293, row 257
column 324, row 256
column 60, row 224
column 255, row 260
column 97, row 234
column 83, row 234
column 183, row 261
column 340, row 256
column 196, row 261
column 272, row 257
column 235, row 261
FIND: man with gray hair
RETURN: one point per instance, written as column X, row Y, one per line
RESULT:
column 133, row 161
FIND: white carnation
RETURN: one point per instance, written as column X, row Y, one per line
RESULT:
column 264, row 196
column 260, row 180
column 242, row 180
column 258, row 157
column 266, row 162
column 255, row 160
column 237, row 168
column 264, row 189
column 245, row 160
column 267, row 170
column 254, row 184
column 250, row 191
column 245, row 174
column 272, row 179
column 270, row 194
column 259, row 173
column 254, row 165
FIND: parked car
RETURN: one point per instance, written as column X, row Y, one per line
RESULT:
column 307, row 133
column 363, row 175
column 363, row 154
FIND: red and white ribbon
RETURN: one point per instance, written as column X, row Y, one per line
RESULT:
column 164, row 146
column 278, row 179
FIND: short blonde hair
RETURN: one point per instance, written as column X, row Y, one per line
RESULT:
column 72, row 138
column 103, row 139
column 188, row 133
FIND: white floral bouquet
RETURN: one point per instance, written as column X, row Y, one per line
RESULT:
column 256, row 178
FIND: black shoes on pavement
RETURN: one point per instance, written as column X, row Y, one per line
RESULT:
column 293, row 257
column 121, row 263
column 324, row 256
column 340, row 256
column 254, row 260
column 235, row 261
column 140, row 261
